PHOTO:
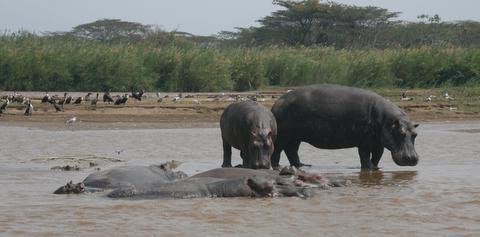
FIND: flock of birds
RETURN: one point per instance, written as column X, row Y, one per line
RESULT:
column 58, row 103
column 430, row 98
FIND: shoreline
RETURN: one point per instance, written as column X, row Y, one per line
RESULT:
column 202, row 110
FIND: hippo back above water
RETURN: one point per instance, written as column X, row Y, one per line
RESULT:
column 251, row 128
column 335, row 117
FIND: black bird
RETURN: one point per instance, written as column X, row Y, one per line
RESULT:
column 78, row 101
column 46, row 98
column 107, row 97
column 68, row 100
column 29, row 109
column 138, row 95
column 94, row 101
column 121, row 100
column 4, row 106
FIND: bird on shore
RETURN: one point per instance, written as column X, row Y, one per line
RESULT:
column 68, row 100
column 62, row 101
column 160, row 99
column 57, row 107
column 121, row 100
column 107, row 97
column 87, row 97
column 4, row 106
column 430, row 98
column 29, row 109
column 78, row 101
column 94, row 101
column 46, row 98
column 448, row 97
column 404, row 97
column 71, row 121
column 137, row 95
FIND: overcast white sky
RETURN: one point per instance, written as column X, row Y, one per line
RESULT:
column 201, row 17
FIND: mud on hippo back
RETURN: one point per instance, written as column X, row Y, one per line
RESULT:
column 251, row 128
column 335, row 117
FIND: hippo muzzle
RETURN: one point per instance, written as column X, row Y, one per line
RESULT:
column 405, row 157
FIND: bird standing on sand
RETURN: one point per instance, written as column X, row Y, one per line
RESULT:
column 57, row 107
column 121, row 100
column 29, row 109
column 137, row 95
column 447, row 97
column 46, row 98
column 70, row 121
column 107, row 97
column 94, row 101
column 4, row 106
column 78, row 100
column 87, row 97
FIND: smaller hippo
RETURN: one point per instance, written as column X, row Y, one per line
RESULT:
column 251, row 128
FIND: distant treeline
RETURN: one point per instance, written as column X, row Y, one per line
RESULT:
column 311, row 22
column 48, row 64
column 304, row 43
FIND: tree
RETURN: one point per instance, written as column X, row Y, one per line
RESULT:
column 312, row 22
column 111, row 30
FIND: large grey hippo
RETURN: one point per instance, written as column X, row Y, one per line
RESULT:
column 251, row 128
column 335, row 117
column 160, row 182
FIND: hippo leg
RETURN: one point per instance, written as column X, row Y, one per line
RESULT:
column 275, row 159
column 364, row 153
column 227, row 154
column 377, row 153
column 291, row 149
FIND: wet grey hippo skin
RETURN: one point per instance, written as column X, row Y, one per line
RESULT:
column 251, row 128
column 140, row 182
column 335, row 117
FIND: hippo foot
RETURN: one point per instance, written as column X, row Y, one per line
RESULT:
column 71, row 188
column 306, row 165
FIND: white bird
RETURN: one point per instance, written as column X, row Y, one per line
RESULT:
column 177, row 98
column 71, row 121
column 447, row 97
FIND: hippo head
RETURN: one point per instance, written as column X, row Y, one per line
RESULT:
column 398, row 136
column 260, row 149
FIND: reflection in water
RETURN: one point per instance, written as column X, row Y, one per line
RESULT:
column 378, row 177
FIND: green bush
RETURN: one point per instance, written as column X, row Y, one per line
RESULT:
column 30, row 62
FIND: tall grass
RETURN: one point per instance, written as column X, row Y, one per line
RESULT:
column 35, row 63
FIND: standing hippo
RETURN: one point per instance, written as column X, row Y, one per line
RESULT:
column 335, row 117
column 251, row 128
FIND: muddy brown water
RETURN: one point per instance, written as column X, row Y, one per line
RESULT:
column 438, row 197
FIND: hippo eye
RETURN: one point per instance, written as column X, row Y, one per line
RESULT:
column 414, row 135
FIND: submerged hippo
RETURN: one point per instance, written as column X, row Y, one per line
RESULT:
column 335, row 117
column 156, row 182
column 251, row 128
